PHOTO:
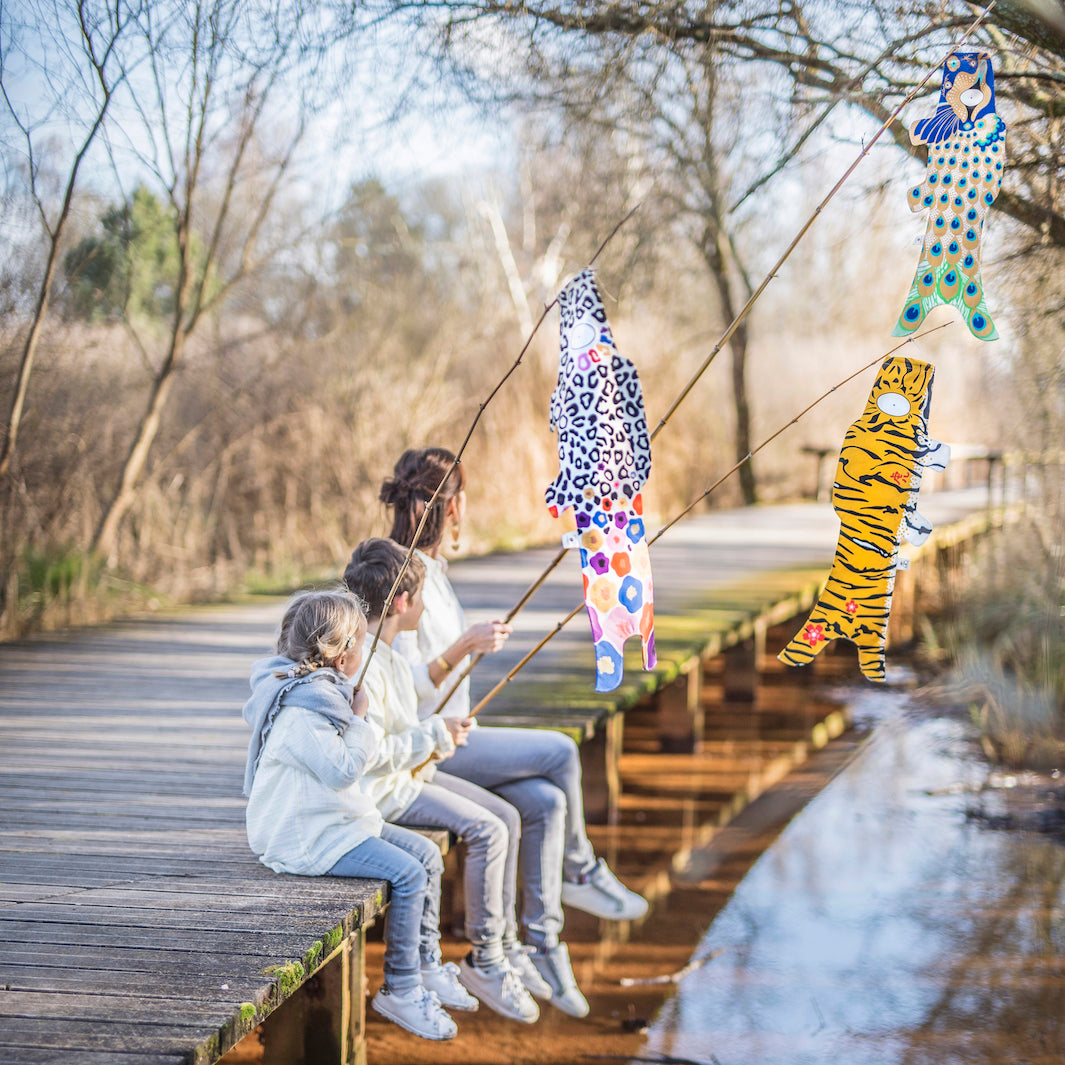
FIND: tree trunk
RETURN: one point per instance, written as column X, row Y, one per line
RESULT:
column 717, row 255
column 29, row 353
column 106, row 537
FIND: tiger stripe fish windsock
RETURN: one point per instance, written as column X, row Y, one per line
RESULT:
column 966, row 158
column 875, row 495
column 604, row 454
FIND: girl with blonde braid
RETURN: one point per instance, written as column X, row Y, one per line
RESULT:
column 307, row 813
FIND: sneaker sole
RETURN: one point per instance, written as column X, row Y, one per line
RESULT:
column 401, row 1023
column 460, row 1009
column 603, row 915
column 578, row 1013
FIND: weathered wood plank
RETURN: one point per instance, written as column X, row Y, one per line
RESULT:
column 45, row 1005
column 22, row 1055
column 134, row 986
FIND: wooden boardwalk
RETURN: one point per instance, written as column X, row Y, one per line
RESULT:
column 135, row 926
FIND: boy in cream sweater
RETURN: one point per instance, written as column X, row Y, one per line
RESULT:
column 497, row 970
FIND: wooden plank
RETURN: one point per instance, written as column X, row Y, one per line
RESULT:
column 240, row 987
column 21, row 1055
column 77, row 1034
column 55, row 1005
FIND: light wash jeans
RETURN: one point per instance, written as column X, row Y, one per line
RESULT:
column 490, row 829
column 539, row 772
column 412, row 865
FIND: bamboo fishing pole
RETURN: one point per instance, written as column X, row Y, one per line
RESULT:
column 458, row 456
column 734, row 324
column 687, row 510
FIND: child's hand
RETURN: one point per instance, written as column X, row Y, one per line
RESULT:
column 459, row 729
column 360, row 704
column 487, row 637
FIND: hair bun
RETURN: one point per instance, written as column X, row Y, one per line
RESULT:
column 394, row 493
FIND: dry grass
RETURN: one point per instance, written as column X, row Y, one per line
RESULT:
column 266, row 470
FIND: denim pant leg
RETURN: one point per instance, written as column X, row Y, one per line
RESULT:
column 487, row 842
column 377, row 858
column 539, row 772
column 542, row 809
column 512, row 819
column 498, row 756
column 428, row 853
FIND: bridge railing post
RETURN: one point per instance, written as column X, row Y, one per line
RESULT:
column 680, row 714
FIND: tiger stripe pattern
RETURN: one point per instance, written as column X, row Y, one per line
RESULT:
column 875, row 495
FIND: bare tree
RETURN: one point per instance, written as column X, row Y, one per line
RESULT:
column 865, row 53
column 74, row 71
column 226, row 102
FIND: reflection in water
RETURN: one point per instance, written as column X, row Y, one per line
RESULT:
column 883, row 927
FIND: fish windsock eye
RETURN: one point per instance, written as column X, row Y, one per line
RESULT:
column 893, row 404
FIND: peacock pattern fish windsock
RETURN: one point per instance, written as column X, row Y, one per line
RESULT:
column 604, row 453
column 966, row 158
column 875, row 495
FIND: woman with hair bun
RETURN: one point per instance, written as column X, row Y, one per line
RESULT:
column 536, row 770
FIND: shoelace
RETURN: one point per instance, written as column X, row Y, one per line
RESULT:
column 429, row 1001
column 512, row 987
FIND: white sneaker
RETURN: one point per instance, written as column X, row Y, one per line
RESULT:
column 417, row 1010
column 599, row 892
column 443, row 981
column 500, row 988
column 535, row 984
column 553, row 965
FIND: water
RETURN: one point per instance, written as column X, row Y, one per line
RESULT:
column 885, row 925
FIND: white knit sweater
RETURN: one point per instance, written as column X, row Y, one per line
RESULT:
column 443, row 622
column 404, row 742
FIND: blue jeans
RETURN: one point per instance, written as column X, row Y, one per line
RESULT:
column 490, row 829
column 539, row 772
column 412, row 865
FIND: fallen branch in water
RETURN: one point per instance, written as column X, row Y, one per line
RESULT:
column 670, row 978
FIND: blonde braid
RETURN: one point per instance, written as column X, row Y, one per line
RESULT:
column 317, row 628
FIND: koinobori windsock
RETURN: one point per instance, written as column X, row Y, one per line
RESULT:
column 878, row 477
column 604, row 452
column 966, row 159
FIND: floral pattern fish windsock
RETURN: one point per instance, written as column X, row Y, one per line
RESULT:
column 875, row 495
column 604, row 453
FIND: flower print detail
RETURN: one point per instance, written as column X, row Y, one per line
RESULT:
column 631, row 594
column 591, row 540
column 602, row 595
column 814, row 634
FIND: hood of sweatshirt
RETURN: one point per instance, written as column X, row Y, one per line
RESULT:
column 267, row 690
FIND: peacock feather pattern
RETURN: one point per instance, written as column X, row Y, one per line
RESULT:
column 875, row 495
column 966, row 158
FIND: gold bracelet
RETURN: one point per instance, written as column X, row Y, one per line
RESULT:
column 444, row 664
